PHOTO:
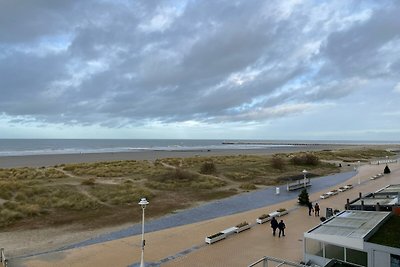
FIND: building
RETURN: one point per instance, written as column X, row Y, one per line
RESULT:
column 355, row 237
column 382, row 200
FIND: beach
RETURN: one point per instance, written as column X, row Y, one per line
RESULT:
column 57, row 159
column 26, row 242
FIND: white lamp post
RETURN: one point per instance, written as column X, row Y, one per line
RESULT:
column 143, row 202
column 305, row 178
column 358, row 166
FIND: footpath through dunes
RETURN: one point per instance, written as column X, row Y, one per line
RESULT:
column 184, row 245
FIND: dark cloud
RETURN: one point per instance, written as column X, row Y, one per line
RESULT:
column 122, row 62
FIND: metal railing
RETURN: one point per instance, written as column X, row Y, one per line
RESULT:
column 3, row 259
column 271, row 261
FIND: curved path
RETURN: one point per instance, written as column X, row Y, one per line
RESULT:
column 219, row 208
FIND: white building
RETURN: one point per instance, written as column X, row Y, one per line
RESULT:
column 355, row 236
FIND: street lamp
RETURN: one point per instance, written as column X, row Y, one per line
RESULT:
column 305, row 178
column 358, row 166
column 143, row 202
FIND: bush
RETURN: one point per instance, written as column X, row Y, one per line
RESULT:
column 263, row 216
column 242, row 224
column 208, row 167
column 303, row 197
column 305, row 159
column 277, row 163
column 248, row 186
column 386, row 170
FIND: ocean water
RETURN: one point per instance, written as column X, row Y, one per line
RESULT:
column 17, row 147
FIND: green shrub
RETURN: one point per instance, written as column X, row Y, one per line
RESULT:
column 208, row 167
column 305, row 159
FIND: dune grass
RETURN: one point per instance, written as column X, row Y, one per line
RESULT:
column 107, row 193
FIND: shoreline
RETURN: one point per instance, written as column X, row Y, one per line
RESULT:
column 45, row 160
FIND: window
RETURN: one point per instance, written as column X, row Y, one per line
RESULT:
column 357, row 257
column 394, row 260
column 314, row 247
column 334, row 252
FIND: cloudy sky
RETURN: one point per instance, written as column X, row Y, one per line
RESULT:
column 195, row 69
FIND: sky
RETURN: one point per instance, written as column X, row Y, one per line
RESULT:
column 245, row 69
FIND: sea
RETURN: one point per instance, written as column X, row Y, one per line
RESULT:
column 20, row 147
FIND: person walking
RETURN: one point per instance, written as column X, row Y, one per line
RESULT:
column 274, row 225
column 281, row 226
column 316, row 209
column 310, row 208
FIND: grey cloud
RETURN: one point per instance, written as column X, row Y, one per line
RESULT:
column 359, row 50
column 180, row 72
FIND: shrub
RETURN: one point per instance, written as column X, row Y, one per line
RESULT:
column 215, row 235
column 242, row 224
column 305, row 159
column 386, row 170
column 248, row 186
column 281, row 210
column 277, row 163
column 303, row 197
column 263, row 216
column 208, row 167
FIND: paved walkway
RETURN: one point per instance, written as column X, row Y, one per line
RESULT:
column 184, row 245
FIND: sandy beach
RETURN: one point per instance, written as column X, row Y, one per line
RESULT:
column 56, row 159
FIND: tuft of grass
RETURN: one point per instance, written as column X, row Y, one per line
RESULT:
column 248, row 186
column 90, row 181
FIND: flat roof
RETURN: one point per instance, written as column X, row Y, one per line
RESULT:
column 354, row 224
column 392, row 200
column 390, row 189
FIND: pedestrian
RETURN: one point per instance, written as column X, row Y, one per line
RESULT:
column 310, row 208
column 281, row 227
column 316, row 209
column 274, row 225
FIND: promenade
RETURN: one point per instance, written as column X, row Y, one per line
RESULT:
column 184, row 245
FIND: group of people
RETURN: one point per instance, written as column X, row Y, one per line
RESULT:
column 314, row 209
column 281, row 225
column 275, row 225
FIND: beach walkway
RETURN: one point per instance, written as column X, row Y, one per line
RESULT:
column 184, row 245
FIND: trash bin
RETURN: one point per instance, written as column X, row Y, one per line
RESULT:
column 277, row 190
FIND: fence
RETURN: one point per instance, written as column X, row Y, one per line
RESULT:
column 266, row 260
column 383, row 161
column 298, row 184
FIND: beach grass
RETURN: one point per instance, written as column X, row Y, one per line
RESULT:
column 106, row 193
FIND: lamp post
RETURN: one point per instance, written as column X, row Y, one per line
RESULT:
column 305, row 178
column 358, row 166
column 143, row 202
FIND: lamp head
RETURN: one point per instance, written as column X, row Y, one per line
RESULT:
column 143, row 202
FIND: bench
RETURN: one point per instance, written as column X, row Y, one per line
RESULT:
column 299, row 184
